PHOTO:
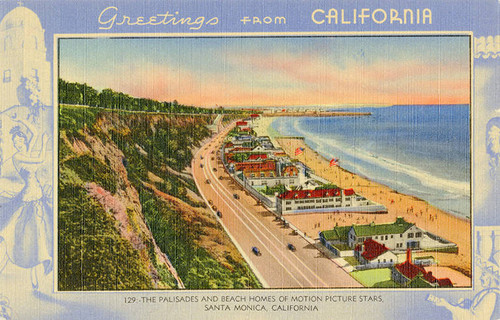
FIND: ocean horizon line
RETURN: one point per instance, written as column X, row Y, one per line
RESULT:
column 353, row 106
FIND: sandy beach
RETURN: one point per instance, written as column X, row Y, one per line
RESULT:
column 412, row 209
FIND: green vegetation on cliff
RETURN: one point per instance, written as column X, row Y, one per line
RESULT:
column 136, row 163
column 74, row 93
column 92, row 254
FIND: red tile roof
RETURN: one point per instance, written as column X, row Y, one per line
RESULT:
column 254, row 115
column 373, row 249
column 302, row 194
column 348, row 192
column 262, row 156
column 241, row 123
column 290, row 171
column 445, row 282
column 255, row 166
column 429, row 277
column 410, row 270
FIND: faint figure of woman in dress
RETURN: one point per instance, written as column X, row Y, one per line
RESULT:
column 28, row 233
column 5, row 310
column 493, row 145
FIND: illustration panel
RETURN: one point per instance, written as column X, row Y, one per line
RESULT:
column 264, row 162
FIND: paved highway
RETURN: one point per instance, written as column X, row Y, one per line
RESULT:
column 251, row 225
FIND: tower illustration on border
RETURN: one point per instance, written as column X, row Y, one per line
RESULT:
column 22, row 54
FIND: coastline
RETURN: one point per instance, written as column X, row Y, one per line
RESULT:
column 411, row 208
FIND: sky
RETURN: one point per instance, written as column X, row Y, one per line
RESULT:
column 275, row 71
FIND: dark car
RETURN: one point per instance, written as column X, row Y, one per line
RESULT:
column 220, row 177
column 214, row 169
column 236, row 196
column 291, row 247
column 201, row 165
column 256, row 251
column 207, row 181
column 219, row 214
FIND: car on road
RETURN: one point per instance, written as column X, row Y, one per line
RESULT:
column 201, row 165
column 201, row 157
column 214, row 169
column 219, row 214
column 236, row 196
column 212, row 158
column 291, row 247
column 220, row 177
column 207, row 181
column 256, row 251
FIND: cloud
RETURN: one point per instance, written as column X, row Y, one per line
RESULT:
column 282, row 77
column 387, row 82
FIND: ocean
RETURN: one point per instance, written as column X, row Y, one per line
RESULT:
column 422, row 151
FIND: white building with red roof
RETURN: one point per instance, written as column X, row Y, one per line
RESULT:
column 374, row 254
column 325, row 200
column 257, row 157
column 412, row 275
column 242, row 125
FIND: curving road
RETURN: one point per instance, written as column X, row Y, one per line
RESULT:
column 251, row 225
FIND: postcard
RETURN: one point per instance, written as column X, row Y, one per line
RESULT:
column 249, row 160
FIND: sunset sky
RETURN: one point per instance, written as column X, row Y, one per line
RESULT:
column 284, row 71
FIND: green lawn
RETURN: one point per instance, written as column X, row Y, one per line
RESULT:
column 387, row 284
column 375, row 278
column 341, row 246
column 352, row 261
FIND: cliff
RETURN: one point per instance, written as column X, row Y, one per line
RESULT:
column 130, row 217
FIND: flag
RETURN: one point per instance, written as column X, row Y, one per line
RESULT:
column 334, row 162
column 299, row 151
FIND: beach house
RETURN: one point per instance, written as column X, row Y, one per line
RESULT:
column 409, row 274
column 242, row 125
column 325, row 200
column 375, row 255
column 398, row 236
column 287, row 174
column 256, row 169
